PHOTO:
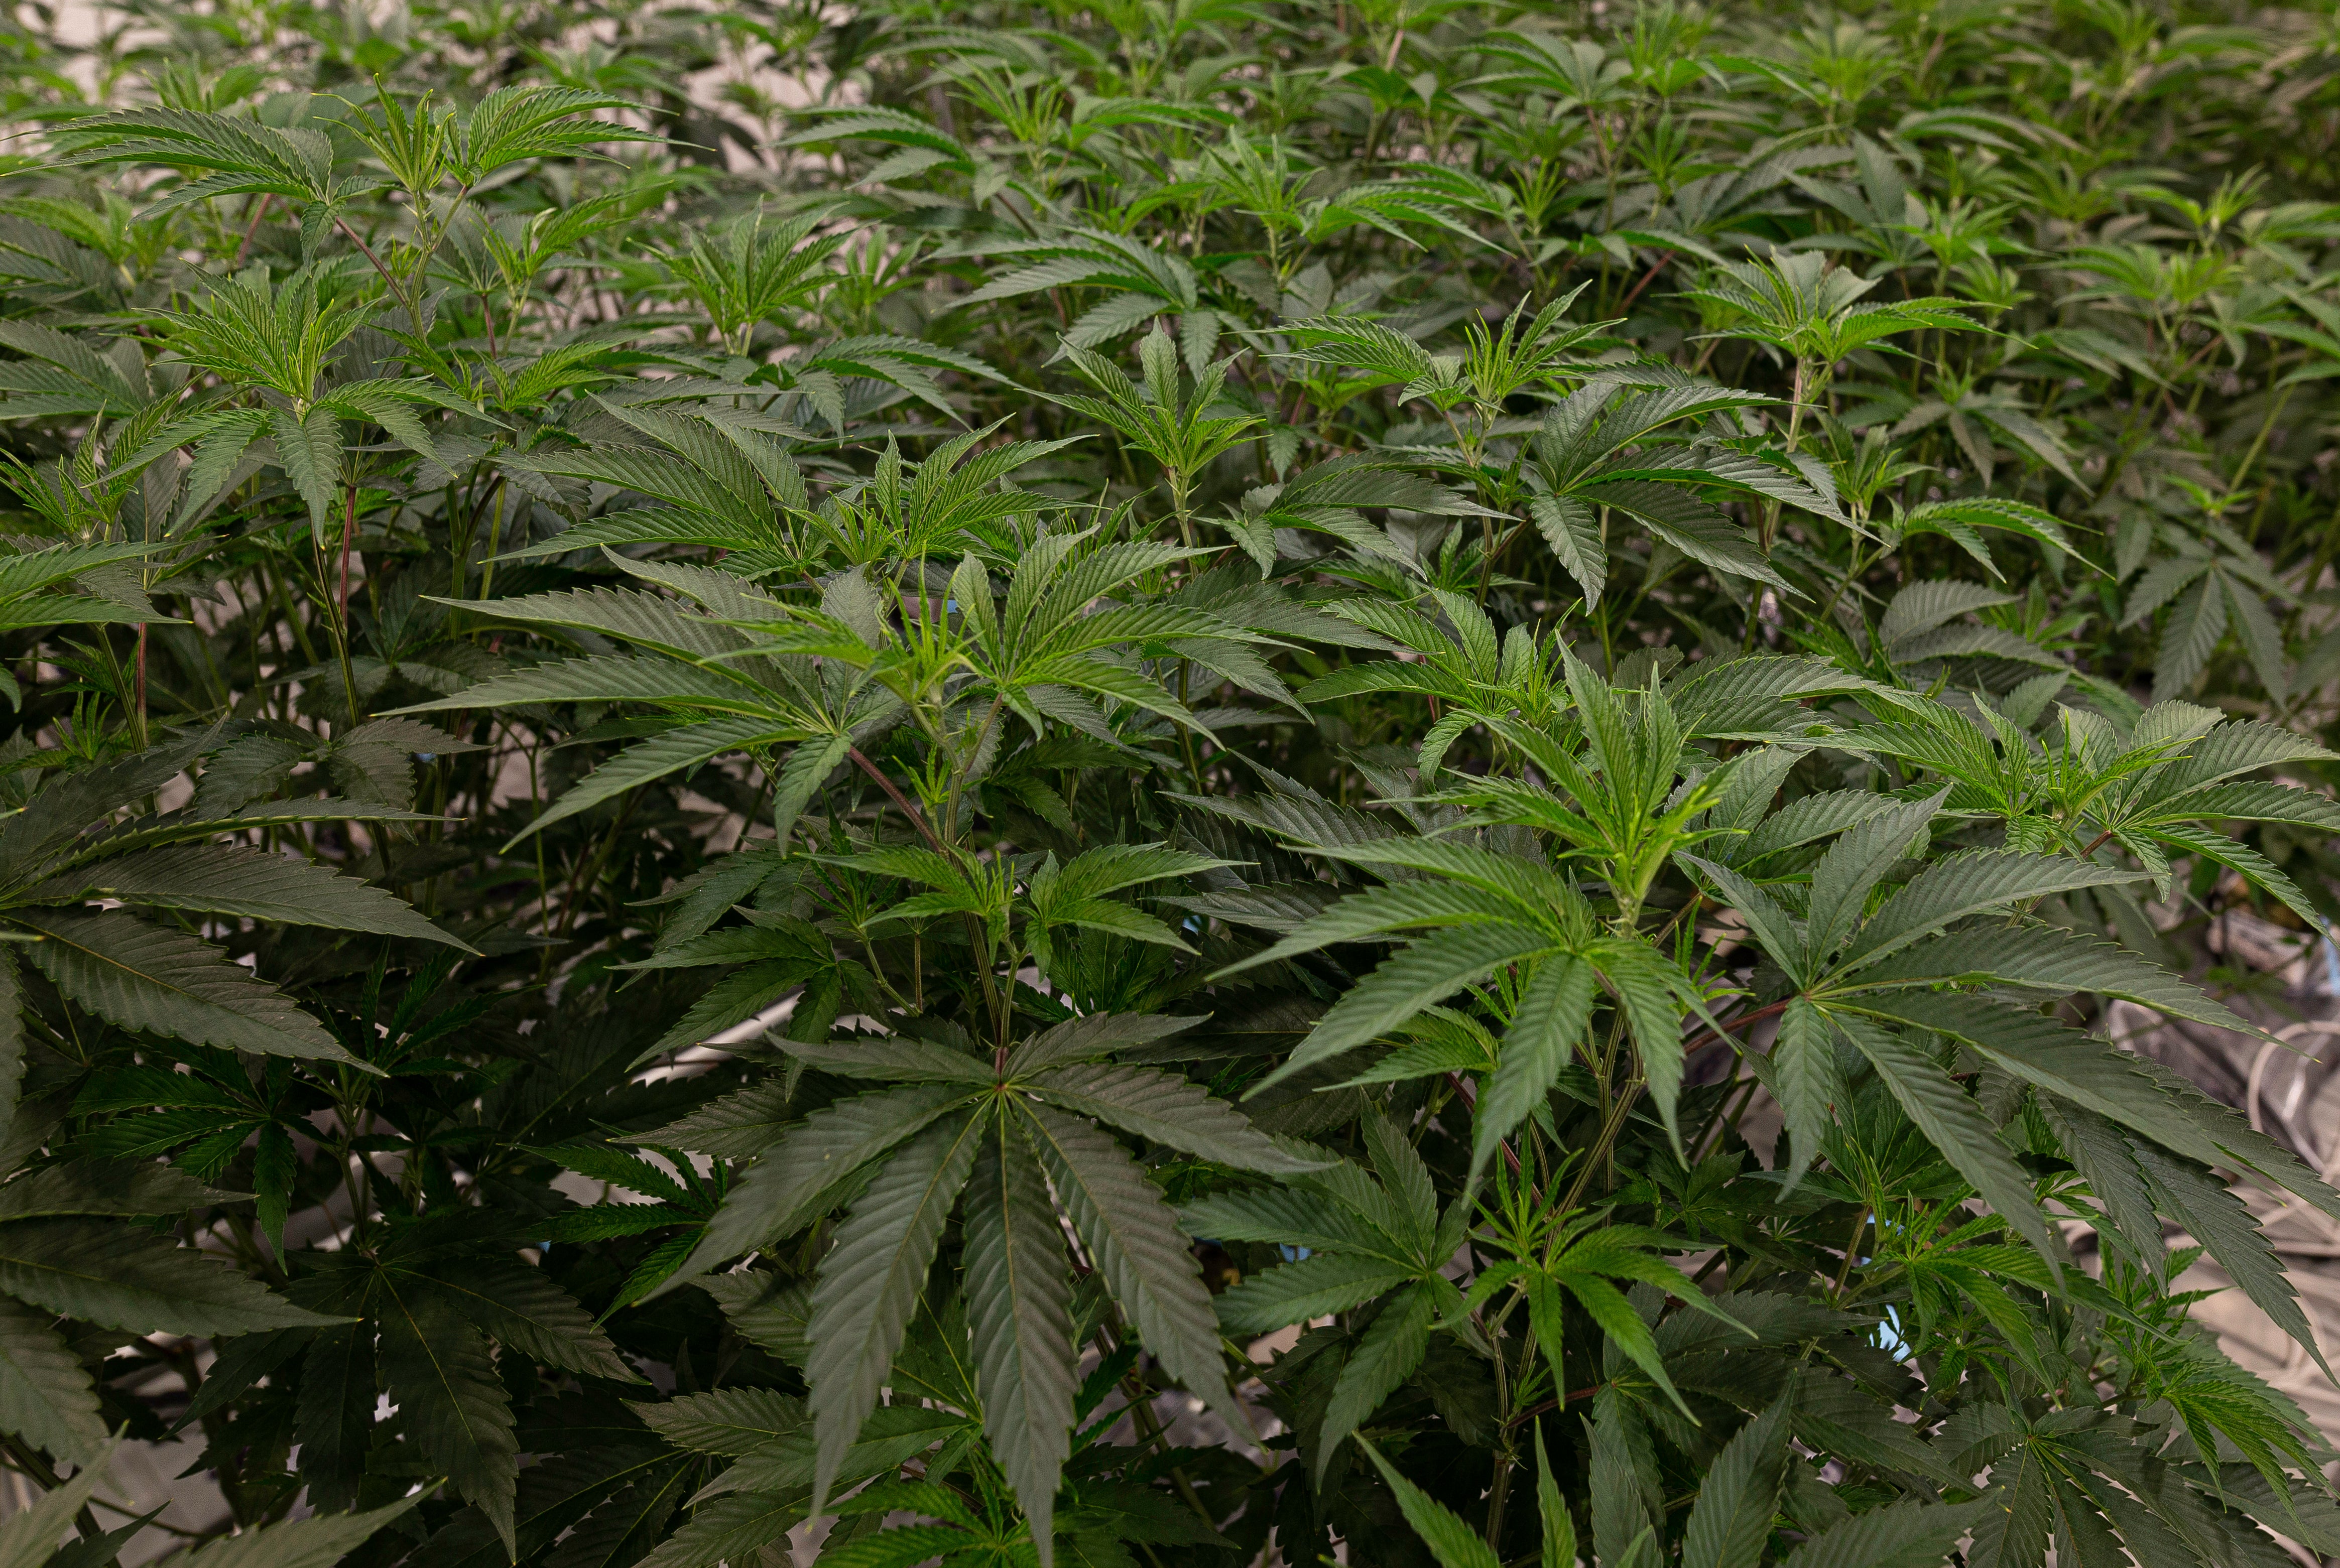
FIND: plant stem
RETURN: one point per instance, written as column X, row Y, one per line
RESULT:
column 1769, row 1009
column 1499, row 1492
column 342, row 626
column 138, row 683
column 1851, row 1249
column 901, row 801
column 22, row 1455
column 1610, row 1128
column 979, row 943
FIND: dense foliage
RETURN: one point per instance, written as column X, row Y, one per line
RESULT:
column 1400, row 752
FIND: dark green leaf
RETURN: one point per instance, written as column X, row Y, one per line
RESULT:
column 870, row 1281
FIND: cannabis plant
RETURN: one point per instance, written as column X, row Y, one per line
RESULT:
column 1267, row 783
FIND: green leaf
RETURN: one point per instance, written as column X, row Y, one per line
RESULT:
column 901, row 1546
column 1133, row 1239
column 2133, row 1091
column 146, row 977
column 314, row 1543
column 1385, row 1357
column 28, row 1535
column 1454, row 1544
column 610, row 679
column 2237, row 856
column 1169, row 1110
column 652, row 760
column 1904, row 1535
column 555, row 1495
column 309, row 447
column 126, row 1189
column 747, row 992
column 222, row 879
column 535, row 120
column 729, row 1420
column 1813, row 817
column 2220, row 751
column 800, row 1176
column 1313, row 1287
column 1806, row 1081
column 1113, row 868
column 2253, row 803
column 393, row 405
column 871, row 1279
column 2104, row 1157
column 1094, row 1034
column 2045, row 959
column 2214, row 1216
column 2190, row 635
column 735, row 1127
column 1695, row 527
column 1405, row 1177
column 1426, row 973
column 127, row 1277
column 31, row 840
column 1835, row 1416
column 894, row 1058
column 1781, row 936
column 1549, row 1021
column 630, row 615
column 890, row 1436
column 1628, row 1334
column 1135, row 1512
column 1967, row 884
column 766, row 1311
column 334, row 1417
column 1282, row 1214
column 2017, row 1511
column 12, row 1043
column 1955, row 1125
column 522, row 1308
column 1651, row 992
column 451, row 1403
column 1018, row 1301
column 181, row 139
column 275, row 1166
column 1732, row 1519
column 1569, row 526
column 729, row 1530
column 1626, row 1497
column 188, row 827
column 1381, row 911
column 1558, row 1545
column 1854, row 863
column 618, row 1532
column 800, row 777
column 45, row 1397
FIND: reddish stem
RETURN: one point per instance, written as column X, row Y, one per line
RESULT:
column 1532, row 1411
column 1769, row 1009
column 1464, row 1092
column 367, row 252
column 1647, row 278
column 259, row 211
column 917, row 819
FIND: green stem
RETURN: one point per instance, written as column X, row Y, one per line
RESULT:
column 979, row 943
column 1851, row 1249
column 28, row 1460
column 1598, row 1154
column 342, row 624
